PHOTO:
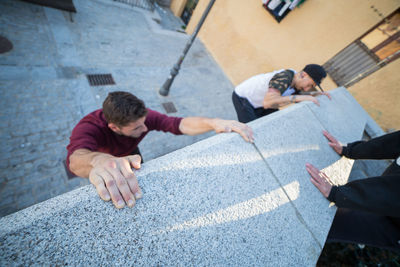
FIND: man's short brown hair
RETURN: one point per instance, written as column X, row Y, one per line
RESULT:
column 122, row 108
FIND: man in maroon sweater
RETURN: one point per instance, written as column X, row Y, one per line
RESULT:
column 104, row 143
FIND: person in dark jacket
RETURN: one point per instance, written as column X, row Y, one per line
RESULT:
column 368, row 209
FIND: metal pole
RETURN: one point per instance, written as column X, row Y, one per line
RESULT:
column 164, row 90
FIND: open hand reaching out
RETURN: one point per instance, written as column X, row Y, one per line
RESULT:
column 333, row 143
column 320, row 180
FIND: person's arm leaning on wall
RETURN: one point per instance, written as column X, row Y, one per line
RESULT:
column 375, row 194
column 273, row 99
column 384, row 147
column 277, row 86
column 317, row 93
column 112, row 176
column 199, row 125
column 380, row 195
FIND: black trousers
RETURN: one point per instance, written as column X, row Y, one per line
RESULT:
column 352, row 226
column 246, row 112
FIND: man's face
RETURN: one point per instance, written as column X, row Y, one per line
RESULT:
column 133, row 129
column 305, row 83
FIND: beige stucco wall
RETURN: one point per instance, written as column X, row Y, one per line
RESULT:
column 379, row 94
column 246, row 40
column 177, row 7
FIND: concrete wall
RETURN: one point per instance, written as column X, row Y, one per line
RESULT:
column 379, row 94
column 246, row 40
column 177, row 7
column 220, row 201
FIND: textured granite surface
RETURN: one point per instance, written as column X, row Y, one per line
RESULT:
column 213, row 203
column 216, row 202
column 299, row 140
column 342, row 116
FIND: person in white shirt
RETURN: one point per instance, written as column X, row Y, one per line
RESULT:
column 263, row 94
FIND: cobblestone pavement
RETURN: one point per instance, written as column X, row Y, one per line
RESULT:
column 44, row 91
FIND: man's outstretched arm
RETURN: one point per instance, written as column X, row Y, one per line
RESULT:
column 199, row 125
column 112, row 176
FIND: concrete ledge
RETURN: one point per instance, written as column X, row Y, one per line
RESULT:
column 220, row 201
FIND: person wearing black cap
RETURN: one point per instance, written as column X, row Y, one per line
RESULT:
column 263, row 94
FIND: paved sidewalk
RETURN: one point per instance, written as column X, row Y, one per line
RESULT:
column 44, row 91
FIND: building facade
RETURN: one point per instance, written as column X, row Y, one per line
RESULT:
column 358, row 42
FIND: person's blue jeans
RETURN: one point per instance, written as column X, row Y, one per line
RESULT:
column 245, row 110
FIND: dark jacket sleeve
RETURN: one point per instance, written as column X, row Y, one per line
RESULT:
column 384, row 147
column 379, row 195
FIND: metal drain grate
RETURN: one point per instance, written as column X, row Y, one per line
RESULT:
column 169, row 107
column 100, row 79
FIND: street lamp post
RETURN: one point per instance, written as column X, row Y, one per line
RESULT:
column 164, row 90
